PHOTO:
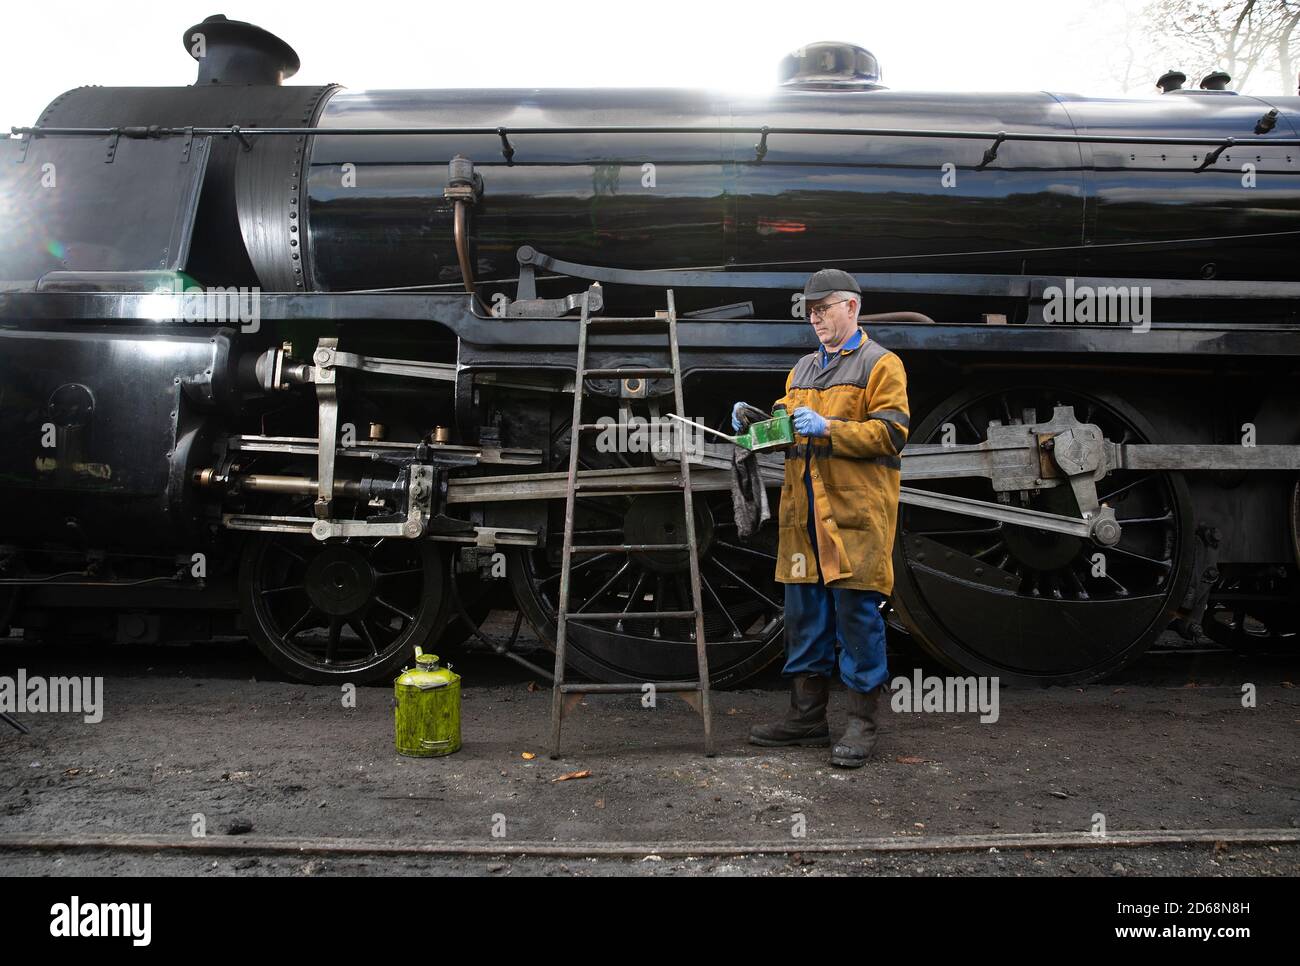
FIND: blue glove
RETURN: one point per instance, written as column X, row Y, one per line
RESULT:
column 735, row 416
column 809, row 423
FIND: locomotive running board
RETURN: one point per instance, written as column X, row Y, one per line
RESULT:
column 903, row 283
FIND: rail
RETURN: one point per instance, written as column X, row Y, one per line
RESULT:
column 124, row 842
column 508, row 149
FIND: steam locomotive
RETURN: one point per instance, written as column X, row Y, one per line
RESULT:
column 298, row 362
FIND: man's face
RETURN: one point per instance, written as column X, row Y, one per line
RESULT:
column 833, row 318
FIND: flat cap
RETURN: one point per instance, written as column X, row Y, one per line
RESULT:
column 823, row 283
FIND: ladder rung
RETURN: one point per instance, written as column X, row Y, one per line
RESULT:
column 634, row 615
column 627, row 322
column 629, row 492
column 628, row 547
column 629, row 688
column 628, row 318
column 607, row 486
column 641, row 426
column 626, row 373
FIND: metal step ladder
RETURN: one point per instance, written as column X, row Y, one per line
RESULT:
column 565, row 697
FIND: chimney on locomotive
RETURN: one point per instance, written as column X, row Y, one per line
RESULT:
column 235, row 52
column 830, row 66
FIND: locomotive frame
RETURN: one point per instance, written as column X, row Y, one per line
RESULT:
column 1041, row 446
column 488, row 360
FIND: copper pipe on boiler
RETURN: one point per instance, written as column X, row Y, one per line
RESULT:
column 462, row 247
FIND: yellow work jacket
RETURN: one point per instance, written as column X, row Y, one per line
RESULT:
column 855, row 471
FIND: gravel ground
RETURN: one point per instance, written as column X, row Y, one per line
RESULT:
column 1200, row 860
column 213, row 731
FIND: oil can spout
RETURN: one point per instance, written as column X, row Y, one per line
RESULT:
column 768, row 434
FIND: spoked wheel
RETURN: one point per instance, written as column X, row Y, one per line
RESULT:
column 351, row 610
column 1029, row 606
column 1254, row 613
column 743, row 603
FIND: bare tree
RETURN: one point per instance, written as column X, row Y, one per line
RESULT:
column 1250, row 39
column 1288, row 41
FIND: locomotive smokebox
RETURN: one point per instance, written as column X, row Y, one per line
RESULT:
column 235, row 52
column 829, row 66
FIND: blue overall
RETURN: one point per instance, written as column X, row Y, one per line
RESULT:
column 817, row 617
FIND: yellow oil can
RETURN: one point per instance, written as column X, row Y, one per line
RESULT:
column 427, row 708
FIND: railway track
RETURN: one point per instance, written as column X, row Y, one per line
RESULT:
column 934, row 844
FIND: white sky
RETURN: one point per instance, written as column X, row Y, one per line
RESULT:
column 1060, row 45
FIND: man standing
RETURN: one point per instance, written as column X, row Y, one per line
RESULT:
column 839, row 510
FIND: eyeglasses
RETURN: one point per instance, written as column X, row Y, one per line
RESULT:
column 819, row 311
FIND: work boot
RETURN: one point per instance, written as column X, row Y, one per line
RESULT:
column 805, row 722
column 853, row 750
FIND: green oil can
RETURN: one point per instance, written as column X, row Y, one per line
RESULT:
column 427, row 708
column 761, row 437
column 768, row 434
